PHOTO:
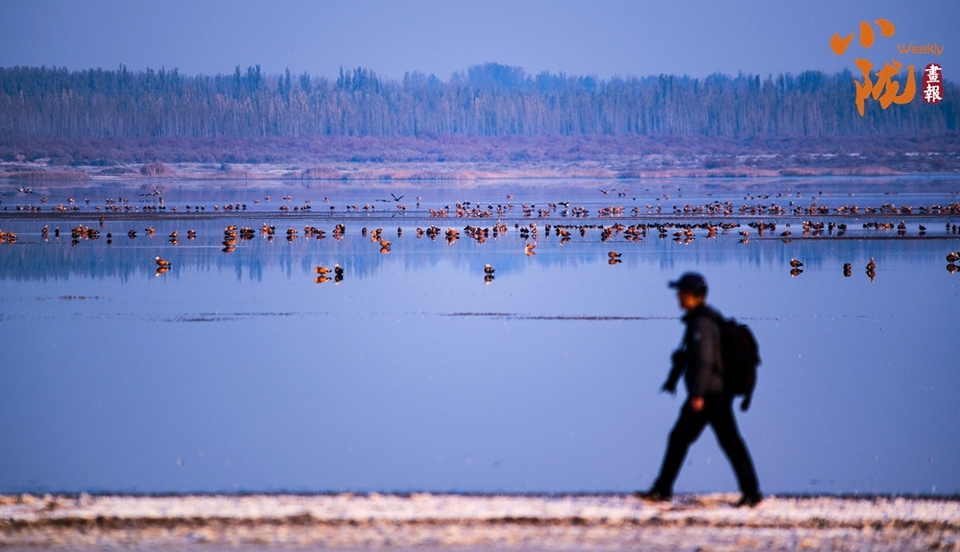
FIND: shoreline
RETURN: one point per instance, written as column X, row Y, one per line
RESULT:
column 473, row 158
column 432, row 521
column 27, row 173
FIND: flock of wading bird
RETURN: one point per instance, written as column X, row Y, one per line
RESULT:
column 467, row 209
column 682, row 232
column 631, row 233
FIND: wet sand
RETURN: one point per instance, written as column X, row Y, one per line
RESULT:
column 477, row 522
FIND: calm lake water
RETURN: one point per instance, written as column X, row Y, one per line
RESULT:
column 236, row 371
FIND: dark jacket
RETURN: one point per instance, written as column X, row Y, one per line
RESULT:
column 702, row 363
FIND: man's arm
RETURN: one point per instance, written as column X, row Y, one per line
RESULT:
column 679, row 363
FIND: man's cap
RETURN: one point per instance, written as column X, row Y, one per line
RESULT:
column 691, row 281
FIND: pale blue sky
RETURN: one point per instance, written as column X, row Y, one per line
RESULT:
column 391, row 37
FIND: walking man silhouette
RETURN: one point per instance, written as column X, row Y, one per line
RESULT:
column 701, row 364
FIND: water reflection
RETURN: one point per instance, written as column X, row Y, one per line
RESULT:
column 33, row 258
column 236, row 371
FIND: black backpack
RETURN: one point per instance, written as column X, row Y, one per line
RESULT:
column 741, row 356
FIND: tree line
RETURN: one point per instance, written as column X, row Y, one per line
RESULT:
column 484, row 100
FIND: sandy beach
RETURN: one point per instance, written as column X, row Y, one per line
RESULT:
column 437, row 521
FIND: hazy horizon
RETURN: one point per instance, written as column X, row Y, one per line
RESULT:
column 460, row 75
column 391, row 38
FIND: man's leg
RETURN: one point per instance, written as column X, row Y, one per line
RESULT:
column 720, row 410
column 685, row 431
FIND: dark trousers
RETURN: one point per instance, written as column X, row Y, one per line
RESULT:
column 718, row 412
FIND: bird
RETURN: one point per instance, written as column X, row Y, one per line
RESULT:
column 395, row 198
column 489, row 269
column 338, row 270
column 529, row 249
column 613, row 255
column 163, row 263
column 606, row 192
column 795, row 263
column 953, row 257
column 321, row 270
column 871, row 265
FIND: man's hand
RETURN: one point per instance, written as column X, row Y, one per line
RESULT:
column 696, row 404
column 669, row 387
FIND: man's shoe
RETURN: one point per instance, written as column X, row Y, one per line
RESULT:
column 749, row 500
column 653, row 495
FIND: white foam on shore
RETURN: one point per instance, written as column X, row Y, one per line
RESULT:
column 553, row 522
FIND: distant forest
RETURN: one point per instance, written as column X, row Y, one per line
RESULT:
column 485, row 100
